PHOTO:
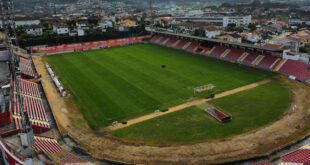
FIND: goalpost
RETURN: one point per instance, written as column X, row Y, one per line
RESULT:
column 203, row 88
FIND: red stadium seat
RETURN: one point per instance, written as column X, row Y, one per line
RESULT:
column 301, row 156
column 218, row 51
column 251, row 57
column 296, row 68
column 234, row 54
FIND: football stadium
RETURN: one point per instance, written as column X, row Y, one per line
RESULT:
column 161, row 99
column 154, row 94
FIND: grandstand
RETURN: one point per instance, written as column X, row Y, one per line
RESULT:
column 261, row 57
column 250, row 55
column 297, row 157
column 12, row 117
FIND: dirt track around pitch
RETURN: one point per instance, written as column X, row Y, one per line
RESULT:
column 293, row 125
column 185, row 105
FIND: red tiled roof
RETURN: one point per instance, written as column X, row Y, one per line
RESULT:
column 296, row 38
column 164, row 19
column 274, row 45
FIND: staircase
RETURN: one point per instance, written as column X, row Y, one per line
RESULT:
column 275, row 62
column 210, row 51
column 165, row 42
column 195, row 49
column 224, row 54
column 243, row 56
column 156, row 41
column 279, row 64
column 176, row 43
column 186, row 45
column 258, row 60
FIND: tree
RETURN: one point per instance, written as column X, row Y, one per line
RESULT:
column 252, row 27
column 231, row 27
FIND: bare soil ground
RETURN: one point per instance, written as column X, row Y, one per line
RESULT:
column 183, row 106
column 292, row 126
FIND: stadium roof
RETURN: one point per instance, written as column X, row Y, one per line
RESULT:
column 224, row 42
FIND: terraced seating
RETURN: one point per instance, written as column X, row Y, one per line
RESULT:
column 234, row 54
column 289, row 67
column 34, row 107
column 46, row 145
column 251, row 57
column 26, row 68
column 268, row 61
column 20, row 54
column 154, row 38
column 203, row 49
column 28, row 88
column 171, row 41
column 181, row 44
column 193, row 46
column 37, row 125
column 218, row 51
column 50, row 145
column 10, row 155
column 72, row 159
column 36, row 113
column 165, row 40
column 161, row 39
column 300, row 156
column 296, row 68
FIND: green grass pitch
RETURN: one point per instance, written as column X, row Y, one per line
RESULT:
column 250, row 109
column 118, row 84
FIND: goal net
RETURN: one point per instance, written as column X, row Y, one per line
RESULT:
column 203, row 88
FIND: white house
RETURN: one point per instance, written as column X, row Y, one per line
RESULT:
column 105, row 24
column 22, row 21
column 212, row 31
column 34, row 30
column 80, row 32
column 294, row 42
column 252, row 37
column 82, row 25
column 60, row 29
column 164, row 21
column 73, row 33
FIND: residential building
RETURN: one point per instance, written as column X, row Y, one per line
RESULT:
column 80, row 32
column 218, row 20
column 60, row 28
column 105, row 24
column 73, row 33
column 250, row 36
column 125, row 24
column 212, row 31
column 164, row 21
column 293, row 42
column 22, row 21
column 82, row 25
column 233, row 37
column 34, row 30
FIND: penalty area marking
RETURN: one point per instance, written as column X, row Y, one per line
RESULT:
column 185, row 105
